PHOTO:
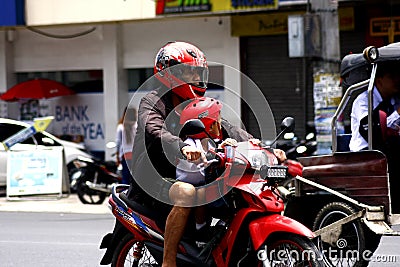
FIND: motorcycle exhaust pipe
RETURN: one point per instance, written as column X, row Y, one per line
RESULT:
column 97, row 187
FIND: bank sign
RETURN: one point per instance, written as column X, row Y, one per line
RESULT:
column 79, row 115
column 164, row 7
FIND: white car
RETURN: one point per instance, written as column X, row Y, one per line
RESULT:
column 9, row 127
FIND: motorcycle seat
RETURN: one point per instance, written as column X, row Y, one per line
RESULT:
column 137, row 206
column 159, row 215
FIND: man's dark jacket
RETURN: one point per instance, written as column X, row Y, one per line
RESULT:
column 157, row 145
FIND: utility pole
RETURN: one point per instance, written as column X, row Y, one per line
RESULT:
column 326, row 88
column 328, row 13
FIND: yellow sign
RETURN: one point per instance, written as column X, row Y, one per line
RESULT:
column 346, row 18
column 384, row 26
column 241, row 5
column 260, row 24
column 41, row 124
column 164, row 7
column 276, row 23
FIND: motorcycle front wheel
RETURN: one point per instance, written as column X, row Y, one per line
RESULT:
column 87, row 195
column 289, row 250
column 133, row 253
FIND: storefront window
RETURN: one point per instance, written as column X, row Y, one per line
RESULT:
column 136, row 77
column 79, row 81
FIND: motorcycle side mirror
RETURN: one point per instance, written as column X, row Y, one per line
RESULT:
column 192, row 127
column 287, row 125
column 111, row 144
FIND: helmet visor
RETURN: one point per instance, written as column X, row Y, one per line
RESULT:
column 194, row 75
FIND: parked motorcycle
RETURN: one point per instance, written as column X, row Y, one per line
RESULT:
column 303, row 148
column 249, row 228
column 295, row 147
column 93, row 179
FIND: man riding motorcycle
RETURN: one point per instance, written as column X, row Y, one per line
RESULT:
column 183, row 72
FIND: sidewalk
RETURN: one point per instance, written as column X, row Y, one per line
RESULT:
column 69, row 204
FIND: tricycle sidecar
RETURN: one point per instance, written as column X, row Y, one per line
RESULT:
column 345, row 197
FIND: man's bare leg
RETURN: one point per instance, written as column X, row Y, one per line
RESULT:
column 174, row 228
column 182, row 194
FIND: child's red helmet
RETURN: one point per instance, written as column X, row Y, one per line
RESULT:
column 207, row 110
column 172, row 60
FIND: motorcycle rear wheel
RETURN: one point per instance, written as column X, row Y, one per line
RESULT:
column 289, row 250
column 124, row 254
column 87, row 195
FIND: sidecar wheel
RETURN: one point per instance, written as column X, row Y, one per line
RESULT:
column 345, row 245
column 131, row 252
column 289, row 250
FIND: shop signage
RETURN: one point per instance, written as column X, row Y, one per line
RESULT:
column 164, row 7
column 80, row 115
column 277, row 23
column 382, row 26
column 260, row 24
column 182, row 6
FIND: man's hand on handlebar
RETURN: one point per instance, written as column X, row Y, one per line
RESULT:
column 228, row 142
column 280, row 155
column 255, row 141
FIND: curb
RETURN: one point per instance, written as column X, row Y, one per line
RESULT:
column 66, row 204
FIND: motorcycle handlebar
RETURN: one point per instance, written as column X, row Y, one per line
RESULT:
column 205, row 164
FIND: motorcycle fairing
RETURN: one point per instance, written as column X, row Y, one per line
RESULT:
column 133, row 220
column 267, row 198
column 261, row 228
column 222, row 253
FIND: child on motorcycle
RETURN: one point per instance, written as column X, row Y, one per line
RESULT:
column 208, row 110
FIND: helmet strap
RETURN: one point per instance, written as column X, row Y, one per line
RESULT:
column 191, row 90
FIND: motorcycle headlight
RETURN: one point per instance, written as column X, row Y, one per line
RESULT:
column 257, row 158
column 273, row 174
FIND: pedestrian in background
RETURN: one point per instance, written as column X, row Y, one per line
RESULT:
column 126, row 131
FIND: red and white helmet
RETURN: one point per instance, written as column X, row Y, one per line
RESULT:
column 207, row 110
column 171, row 62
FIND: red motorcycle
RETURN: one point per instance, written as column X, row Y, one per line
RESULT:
column 248, row 226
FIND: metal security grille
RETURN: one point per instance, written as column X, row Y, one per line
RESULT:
column 280, row 78
column 265, row 59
